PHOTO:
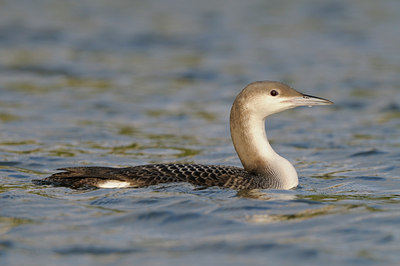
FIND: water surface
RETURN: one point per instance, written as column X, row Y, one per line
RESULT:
column 120, row 83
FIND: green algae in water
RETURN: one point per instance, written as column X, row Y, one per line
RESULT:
column 7, row 117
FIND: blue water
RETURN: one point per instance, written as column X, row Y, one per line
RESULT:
column 120, row 83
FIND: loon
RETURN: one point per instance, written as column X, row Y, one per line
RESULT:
column 262, row 168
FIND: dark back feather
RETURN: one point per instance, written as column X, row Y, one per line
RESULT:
column 153, row 174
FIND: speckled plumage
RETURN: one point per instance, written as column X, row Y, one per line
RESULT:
column 153, row 174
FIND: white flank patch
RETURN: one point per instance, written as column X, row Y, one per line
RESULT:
column 113, row 184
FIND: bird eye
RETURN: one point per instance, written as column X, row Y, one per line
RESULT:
column 274, row 93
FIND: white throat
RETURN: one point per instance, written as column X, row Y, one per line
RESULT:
column 255, row 152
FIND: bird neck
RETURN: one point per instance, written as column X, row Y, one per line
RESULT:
column 255, row 152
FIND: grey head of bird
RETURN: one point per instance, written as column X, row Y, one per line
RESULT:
column 268, row 97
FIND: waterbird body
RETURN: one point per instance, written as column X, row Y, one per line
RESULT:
column 263, row 167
